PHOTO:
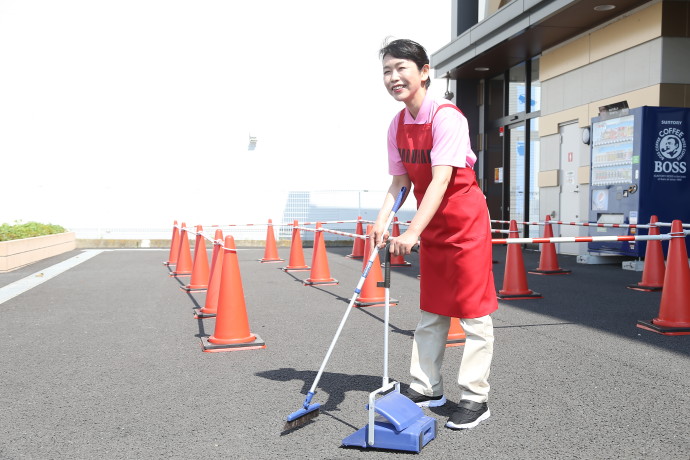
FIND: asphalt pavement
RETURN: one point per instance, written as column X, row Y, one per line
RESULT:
column 105, row 361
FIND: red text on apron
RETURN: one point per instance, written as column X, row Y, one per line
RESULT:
column 455, row 255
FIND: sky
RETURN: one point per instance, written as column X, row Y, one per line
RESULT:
column 132, row 114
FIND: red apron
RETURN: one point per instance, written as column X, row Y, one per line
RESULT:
column 456, row 269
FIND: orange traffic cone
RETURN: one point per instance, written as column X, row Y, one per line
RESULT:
column 358, row 245
column 174, row 246
column 210, row 307
column 232, row 324
column 296, row 262
column 371, row 295
column 271, row 251
column 654, row 268
column 548, row 261
column 456, row 334
column 320, row 273
column 398, row 261
column 183, row 267
column 674, row 312
column 199, row 280
column 515, row 277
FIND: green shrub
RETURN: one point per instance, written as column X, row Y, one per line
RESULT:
column 28, row 230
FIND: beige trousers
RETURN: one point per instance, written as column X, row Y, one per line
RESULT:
column 430, row 345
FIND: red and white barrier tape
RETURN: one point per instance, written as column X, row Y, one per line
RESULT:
column 328, row 222
column 581, row 224
column 335, row 232
column 590, row 239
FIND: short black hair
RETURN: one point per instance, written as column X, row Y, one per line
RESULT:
column 406, row 49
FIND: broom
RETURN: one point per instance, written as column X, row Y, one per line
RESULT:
column 310, row 411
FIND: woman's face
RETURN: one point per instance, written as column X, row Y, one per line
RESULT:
column 403, row 79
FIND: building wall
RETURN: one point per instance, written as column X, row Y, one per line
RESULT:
column 640, row 58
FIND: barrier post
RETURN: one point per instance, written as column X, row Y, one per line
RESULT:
column 456, row 334
column 199, row 280
column 174, row 246
column 515, row 276
column 320, row 273
column 674, row 311
column 271, row 251
column 654, row 269
column 232, row 331
column 358, row 245
column 210, row 307
column 296, row 262
column 548, row 260
column 183, row 267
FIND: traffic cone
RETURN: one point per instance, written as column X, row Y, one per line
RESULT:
column 199, row 280
column 398, row 261
column 320, row 273
column 371, row 295
column 674, row 311
column 654, row 268
column 515, row 277
column 296, row 262
column 358, row 245
column 271, row 251
column 456, row 334
column 174, row 246
column 210, row 307
column 183, row 267
column 548, row 261
column 232, row 325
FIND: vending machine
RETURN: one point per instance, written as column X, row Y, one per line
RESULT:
column 639, row 168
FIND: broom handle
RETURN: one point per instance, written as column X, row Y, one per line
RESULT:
column 370, row 261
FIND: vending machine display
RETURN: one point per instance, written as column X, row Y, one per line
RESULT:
column 638, row 169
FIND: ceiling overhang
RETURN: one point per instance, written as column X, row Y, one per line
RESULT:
column 519, row 31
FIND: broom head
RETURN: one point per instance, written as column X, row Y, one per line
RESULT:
column 301, row 417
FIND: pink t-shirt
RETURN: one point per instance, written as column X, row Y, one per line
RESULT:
column 450, row 132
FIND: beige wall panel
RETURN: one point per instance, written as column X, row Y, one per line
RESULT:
column 548, row 178
column 645, row 96
column 673, row 95
column 548, row 124
column 626, row 33
column 583, row 175
column 564, row 58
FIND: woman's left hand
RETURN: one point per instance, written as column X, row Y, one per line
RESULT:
column 402, row 245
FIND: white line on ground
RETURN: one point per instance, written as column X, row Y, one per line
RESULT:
column 20, row 286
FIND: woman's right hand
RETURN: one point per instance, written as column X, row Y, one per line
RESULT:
column 379, row 235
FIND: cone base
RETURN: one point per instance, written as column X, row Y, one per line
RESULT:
column 650, row 326
column 352, row 256
column 374, row 302
column 328, row 282
column 176, row 274
column 558, row 271
column 271, row 261
column 640, row 287
column 209, row 347
column 303, row 268
column 167, row 264
column 527, row 295
column 455, row 342
column 200, row 314
column 406, row 264
column 194, row 288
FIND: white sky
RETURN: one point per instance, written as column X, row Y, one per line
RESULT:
column 133, row 113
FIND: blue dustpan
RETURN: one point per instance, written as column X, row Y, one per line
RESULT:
column 400, row 425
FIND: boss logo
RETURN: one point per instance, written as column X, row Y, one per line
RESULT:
column 670, row 148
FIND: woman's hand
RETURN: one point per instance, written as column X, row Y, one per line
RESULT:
column 379, row 236
column 403, row 244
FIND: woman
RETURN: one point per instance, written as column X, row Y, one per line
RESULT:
column 429, row 148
